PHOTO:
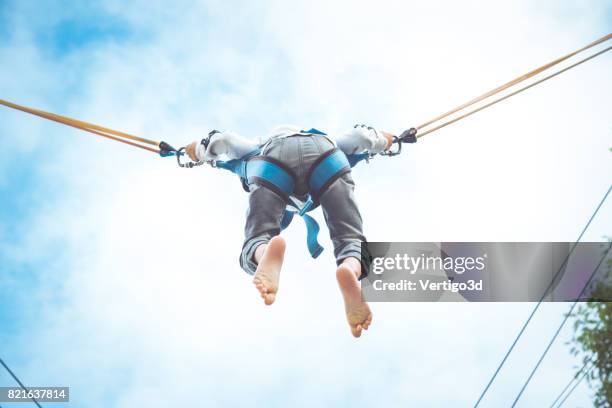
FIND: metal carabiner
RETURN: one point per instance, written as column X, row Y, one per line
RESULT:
column 407, row 136
column 191, row 164
column 391, row 153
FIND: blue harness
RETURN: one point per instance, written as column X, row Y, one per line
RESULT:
column 276, row 176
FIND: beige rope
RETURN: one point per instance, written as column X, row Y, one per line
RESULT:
column 509, row 84
column 88, row 127
column 465, row 115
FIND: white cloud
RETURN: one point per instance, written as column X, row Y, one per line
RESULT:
column 153, row 307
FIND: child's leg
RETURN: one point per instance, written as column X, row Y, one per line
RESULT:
column 263, row 249
column 345, row 227
column 358, row 312
column 269, row 258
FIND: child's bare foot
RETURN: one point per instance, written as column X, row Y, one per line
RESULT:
column 268, row 268
column 358, row 312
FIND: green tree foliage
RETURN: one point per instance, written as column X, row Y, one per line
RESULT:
column 593, row 338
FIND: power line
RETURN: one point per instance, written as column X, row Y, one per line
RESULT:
column 575, row 385
column 574, row 377
column 535, row 309
column 23, row 387
column 578, row 298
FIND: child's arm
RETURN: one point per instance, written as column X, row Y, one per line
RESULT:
column 229, row 144
column 362, row 138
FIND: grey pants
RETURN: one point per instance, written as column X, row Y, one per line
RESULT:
column 266, row 208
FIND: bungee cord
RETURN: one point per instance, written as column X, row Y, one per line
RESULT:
column 503, row 98
column 515, row 81
column 408, row 136
column 163, row 148
column 85, row 126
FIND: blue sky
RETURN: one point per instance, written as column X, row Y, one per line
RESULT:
column 86, row 300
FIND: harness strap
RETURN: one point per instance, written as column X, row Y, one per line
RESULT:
column 329, row 167
column 276, row 176
column 355, row 158
column 270, row 173
column 312, row 230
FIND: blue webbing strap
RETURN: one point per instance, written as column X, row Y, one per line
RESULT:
column 312, row 227
column 261, row 169
column 312, row 231
column 258, row 169
column 355, row 158
column 307, row 206
column 314, row 131
column 287, row 218
column 326, row 170
column 235, row 166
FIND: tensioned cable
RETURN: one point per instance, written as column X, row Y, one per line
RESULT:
column 515, row 81
column 87, row 127
column 586, row 285
column 465, row 115
column 121, row 136
column 18, row 381
column 535, row 309
column 569, row 384
column 575, row 385
column 81, row 123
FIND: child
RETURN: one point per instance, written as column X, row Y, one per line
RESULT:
column 263, row 249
